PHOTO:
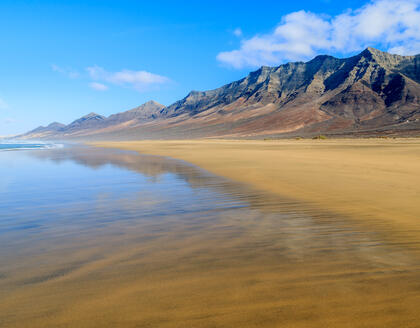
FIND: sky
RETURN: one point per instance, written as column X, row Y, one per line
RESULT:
column 60, row 60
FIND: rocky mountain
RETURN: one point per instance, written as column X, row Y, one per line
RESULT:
column 93, row 123
column 55, row 126
column 371, row 93
column 89, row 121
column 146, row 112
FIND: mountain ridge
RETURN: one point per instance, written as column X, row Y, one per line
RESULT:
column 372, row 91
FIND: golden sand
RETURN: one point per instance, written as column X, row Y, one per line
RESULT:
column 248, row 268
column 230, row 271
column 364, row 179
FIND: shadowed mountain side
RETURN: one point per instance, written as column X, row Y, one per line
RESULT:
column 372, row 92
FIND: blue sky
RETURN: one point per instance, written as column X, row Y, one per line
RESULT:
column 62, row 59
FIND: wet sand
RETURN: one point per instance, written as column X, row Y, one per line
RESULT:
column 364, row 179
column 223, row 255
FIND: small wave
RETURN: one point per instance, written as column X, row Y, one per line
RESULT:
column 18, row 145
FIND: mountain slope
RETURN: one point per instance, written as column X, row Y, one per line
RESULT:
column 93, row 123
column 372, row 92
column 148, row 111
column 45, row 131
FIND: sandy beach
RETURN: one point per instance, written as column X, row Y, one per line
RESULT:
column 364, row 179
column 168, row 164
column 149, row 241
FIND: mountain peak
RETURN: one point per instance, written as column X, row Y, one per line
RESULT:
column 151, row 102
column 150, row 105
column 92, row 115
column 55, row 125
column 86, row 120
column 321, row 58
column 373, row 50
column 193, row 92
column 374, row 53
column 385, row 59
column 149, row 110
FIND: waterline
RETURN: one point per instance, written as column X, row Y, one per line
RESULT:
column 8, row 145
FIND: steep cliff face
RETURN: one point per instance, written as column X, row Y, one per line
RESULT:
column 375, row 91
column 267, row 85
column 371, row 92
column 357, row 88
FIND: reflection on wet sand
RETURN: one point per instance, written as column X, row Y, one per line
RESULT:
column 174, row 246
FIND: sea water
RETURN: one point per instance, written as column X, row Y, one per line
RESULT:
column 19, row 145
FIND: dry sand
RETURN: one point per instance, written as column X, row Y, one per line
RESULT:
column 367, row 179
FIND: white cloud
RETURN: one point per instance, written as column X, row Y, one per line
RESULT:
column 65, row 71
column 237, row 32
column 98, row 86
column 97, row 73
column 139, row 80
column 393, row 25
column 3, row 104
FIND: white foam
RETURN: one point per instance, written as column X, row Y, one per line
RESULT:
column 31, row 145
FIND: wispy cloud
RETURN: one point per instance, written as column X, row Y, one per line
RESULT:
column 391, row 24
column 101, row 79
column 139, row 80
column 98, row 86
column 3, row 104
column 237, row 32
column 65, row 71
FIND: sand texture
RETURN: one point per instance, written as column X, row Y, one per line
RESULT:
column 363, row 179
column 247, row 258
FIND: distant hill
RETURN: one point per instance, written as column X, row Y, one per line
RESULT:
column 93, row 123
column 371, row 93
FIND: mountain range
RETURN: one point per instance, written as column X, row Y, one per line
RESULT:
column 372, row 93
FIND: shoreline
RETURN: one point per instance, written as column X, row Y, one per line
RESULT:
column 374, row 180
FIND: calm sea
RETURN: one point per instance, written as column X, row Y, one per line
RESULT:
column 10, row 145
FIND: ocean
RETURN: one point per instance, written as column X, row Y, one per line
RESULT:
column 16, row 145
